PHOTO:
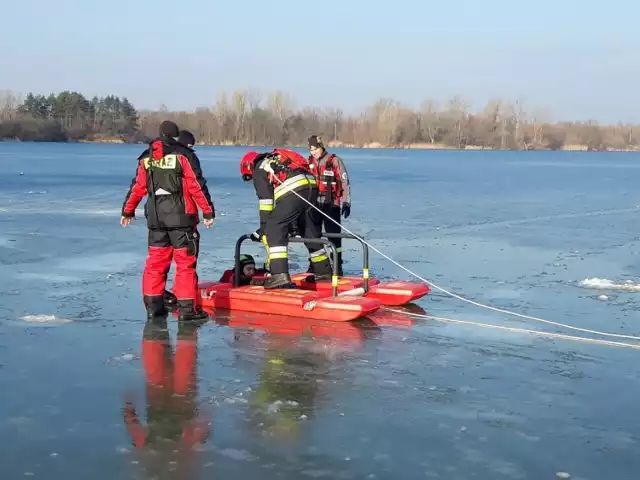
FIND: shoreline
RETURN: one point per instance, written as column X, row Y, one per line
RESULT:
column 372, row 146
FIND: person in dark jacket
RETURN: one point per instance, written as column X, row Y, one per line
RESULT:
column 286, row 191
column 169, row 173
column 334, row 189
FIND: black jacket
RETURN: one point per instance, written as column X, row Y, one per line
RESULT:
column 170, row 174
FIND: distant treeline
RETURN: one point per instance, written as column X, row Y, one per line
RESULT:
column 67, row 116
column 247, row 118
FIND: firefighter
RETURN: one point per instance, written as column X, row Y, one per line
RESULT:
column 276, row 176
column 187, row 139
column 174, row 423
column 169, row 173
column 334, row 191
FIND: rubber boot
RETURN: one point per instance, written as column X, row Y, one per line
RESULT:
column 155, row 306
column 170, row 301
column 322, row 271
column 188, row 312
column 278, row 280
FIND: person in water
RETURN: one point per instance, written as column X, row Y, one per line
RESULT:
column 170, row 175
column 247, row 272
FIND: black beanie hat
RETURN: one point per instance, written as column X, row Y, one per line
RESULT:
column 169, row 129
column 246, row 260
column 186, row 138
column 316, row 141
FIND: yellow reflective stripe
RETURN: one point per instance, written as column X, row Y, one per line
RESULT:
column 278, row 252
column 263, row 239
column 318, row 256
column 365, row 273
column 292, row 183
column 339, row 249
column 334, row 280
column 266, row 204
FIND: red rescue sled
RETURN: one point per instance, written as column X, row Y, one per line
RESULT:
column 393, row 293
column 340, row 300
column 289, row 302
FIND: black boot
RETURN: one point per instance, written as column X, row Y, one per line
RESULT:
column 278, row 280
column 188, row 312
column 170, row 301
column 155, row 306
column 322, row 270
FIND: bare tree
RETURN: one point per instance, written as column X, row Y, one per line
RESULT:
column 246, row 117
column 9, row 103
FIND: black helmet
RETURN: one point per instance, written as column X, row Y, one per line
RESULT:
column 169, row 129
column 186, row 138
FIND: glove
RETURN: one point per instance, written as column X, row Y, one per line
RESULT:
column 255, row 236
column 346, row 210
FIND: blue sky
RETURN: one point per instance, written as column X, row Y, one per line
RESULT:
column 574, row 59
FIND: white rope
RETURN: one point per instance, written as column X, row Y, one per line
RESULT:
column 463, row 299
column 515, row 329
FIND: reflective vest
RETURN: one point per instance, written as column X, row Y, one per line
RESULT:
column 328, row 178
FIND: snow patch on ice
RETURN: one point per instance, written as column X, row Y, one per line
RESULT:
column 52, row 319
column 606, row 284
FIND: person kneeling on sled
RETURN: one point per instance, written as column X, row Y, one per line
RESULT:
column 283, row 178
column 247, row 272
column 169, row 173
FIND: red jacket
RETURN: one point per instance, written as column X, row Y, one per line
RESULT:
column 170, row 175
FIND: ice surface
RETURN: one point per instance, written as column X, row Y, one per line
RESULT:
column 538, row 232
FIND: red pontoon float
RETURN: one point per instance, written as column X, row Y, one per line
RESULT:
column 323, row 304
column 393, row 293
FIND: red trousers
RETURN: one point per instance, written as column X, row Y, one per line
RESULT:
column 165, row 245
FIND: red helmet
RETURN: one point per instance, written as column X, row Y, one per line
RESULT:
column 246, row 165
